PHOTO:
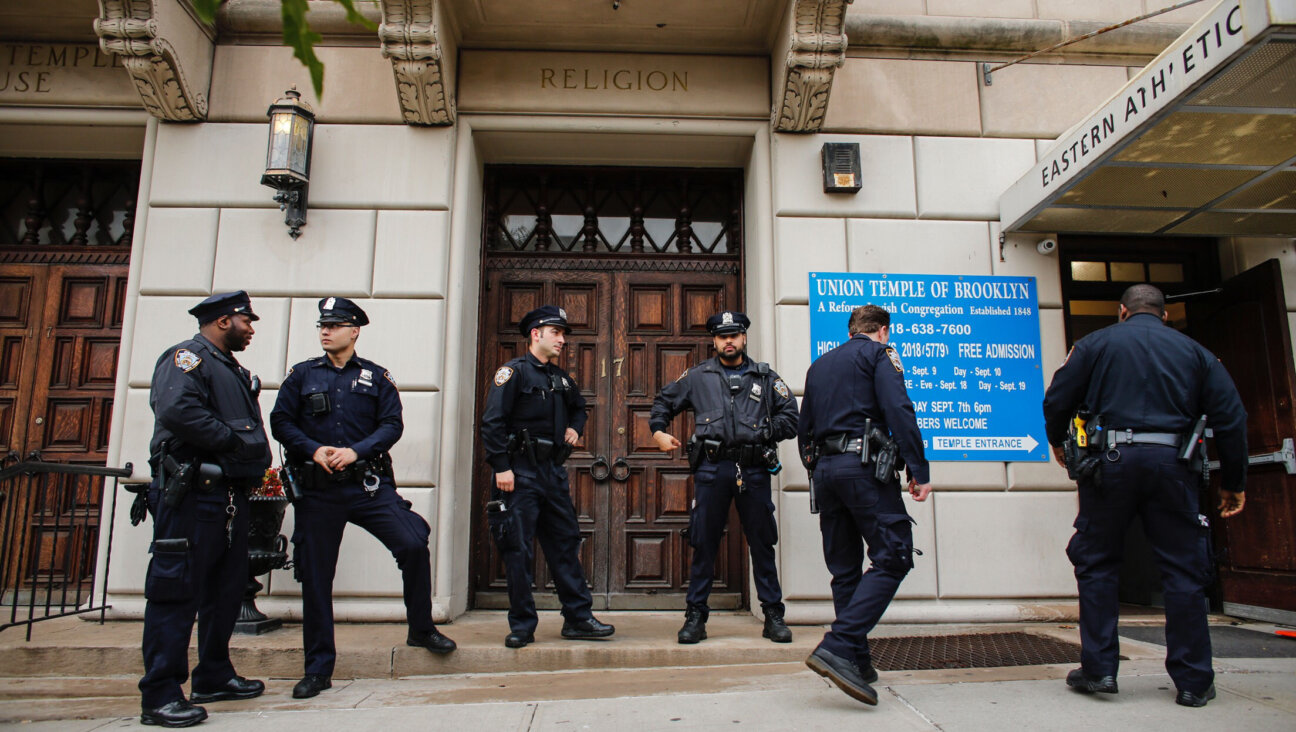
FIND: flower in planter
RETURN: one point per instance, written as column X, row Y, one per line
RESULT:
column 271, row 485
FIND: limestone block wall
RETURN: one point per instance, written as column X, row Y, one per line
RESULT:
column 377, row 232
column 938, row 149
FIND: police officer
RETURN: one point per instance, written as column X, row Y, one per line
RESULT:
column 337, row 415
column 534, row 414
column 855, row 414
column 742, row 409
column 208, row 448
column 1147, row 385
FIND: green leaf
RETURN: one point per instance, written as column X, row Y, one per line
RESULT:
column 298, row 35
column 354, row 16
column 206, row 9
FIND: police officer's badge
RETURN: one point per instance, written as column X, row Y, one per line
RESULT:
column 562, row 313
column 503, row 375
column 726, row 318
column 187, row 360
column 895, row 359
column 781, row 389
column 366, row 377
column 756, row 389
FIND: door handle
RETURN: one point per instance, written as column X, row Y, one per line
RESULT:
column 599, row 469
column 620, row 470
column 1285, row 457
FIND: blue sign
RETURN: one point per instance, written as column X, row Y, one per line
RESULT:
column 970, row 347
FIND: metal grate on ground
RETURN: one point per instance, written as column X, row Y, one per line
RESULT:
column 977, row 650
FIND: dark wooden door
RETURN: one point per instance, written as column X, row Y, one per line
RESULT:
column 60, row 332
column 1246, row 326
column 632, row 331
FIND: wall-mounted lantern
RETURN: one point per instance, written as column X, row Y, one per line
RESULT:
column 842, row 170
column 288, row 157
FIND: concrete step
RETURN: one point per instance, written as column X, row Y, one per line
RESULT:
column 72, row 647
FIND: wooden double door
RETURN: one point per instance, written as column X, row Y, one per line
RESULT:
column 60, row 333
column 633, row 330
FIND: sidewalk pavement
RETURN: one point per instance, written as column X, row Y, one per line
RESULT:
column 1254, row 694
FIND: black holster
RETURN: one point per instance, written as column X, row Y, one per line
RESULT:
column 504, row 528
column 177, row 480
column 695, row 454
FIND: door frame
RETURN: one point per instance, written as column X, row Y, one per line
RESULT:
column 477, row 140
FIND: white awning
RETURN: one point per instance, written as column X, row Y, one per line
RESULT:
column 1201, row 143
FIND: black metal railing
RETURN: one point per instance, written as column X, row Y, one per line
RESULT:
column 50, row 517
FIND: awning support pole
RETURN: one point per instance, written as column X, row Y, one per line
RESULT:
column 987, row 69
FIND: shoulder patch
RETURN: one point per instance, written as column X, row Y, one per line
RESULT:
column 681, row 376
column 186, row 360
column 387, row 375
column 781, row 388
column 503, row 375
column 290, row 370
column 895, row 359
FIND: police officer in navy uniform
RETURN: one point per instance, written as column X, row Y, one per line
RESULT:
column 1148, row 385
column 534, row 414
column 742, row 409
column 337, row 415
column 855, row 400
column 208, row 448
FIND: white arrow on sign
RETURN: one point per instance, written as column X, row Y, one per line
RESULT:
column 1026, row 443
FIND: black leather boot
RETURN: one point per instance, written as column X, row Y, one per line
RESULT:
column 775, row 629
column 694, row 629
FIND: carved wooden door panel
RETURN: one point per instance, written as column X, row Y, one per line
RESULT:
column 60, row 327
column 659, row 330
column 587, row 297
column 1246, row 326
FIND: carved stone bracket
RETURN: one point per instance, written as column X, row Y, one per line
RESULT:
column 409, row 38
column 152, row 37
column 817, row 48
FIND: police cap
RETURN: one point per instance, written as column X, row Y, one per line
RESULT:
column 340, row 310
column 729, row 321
column 223, row 303
column 542, row 316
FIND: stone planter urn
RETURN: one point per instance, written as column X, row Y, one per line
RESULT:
column 267, row 550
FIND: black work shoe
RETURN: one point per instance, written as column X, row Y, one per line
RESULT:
column 519, row 639
column 588, row 629
column 179, row 713
column 431, row 640
column 236, row 688
column 1188, row 699
column 1085, row 684
column 842, row 672
column 775, row 629
column 311, row 685
column 694, row 629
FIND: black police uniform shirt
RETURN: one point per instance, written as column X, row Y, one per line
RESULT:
column 526, row 394
column 205, row 410
column 359, row 407
column 858, row 380
column 762, row 409
column 1143, row 375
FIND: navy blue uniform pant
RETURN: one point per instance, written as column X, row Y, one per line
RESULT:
column 1147, row 481
column 542, row 506
column 855, row 510
column 319, row 519
column 207, row 581
column 715, row 486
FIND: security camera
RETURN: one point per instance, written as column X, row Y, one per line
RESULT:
column 1046, row 246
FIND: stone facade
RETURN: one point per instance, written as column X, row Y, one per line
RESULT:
column 395, row 217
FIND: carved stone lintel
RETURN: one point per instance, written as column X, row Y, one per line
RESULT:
column 409, row 38
column 818, row 47
column 132, row 29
